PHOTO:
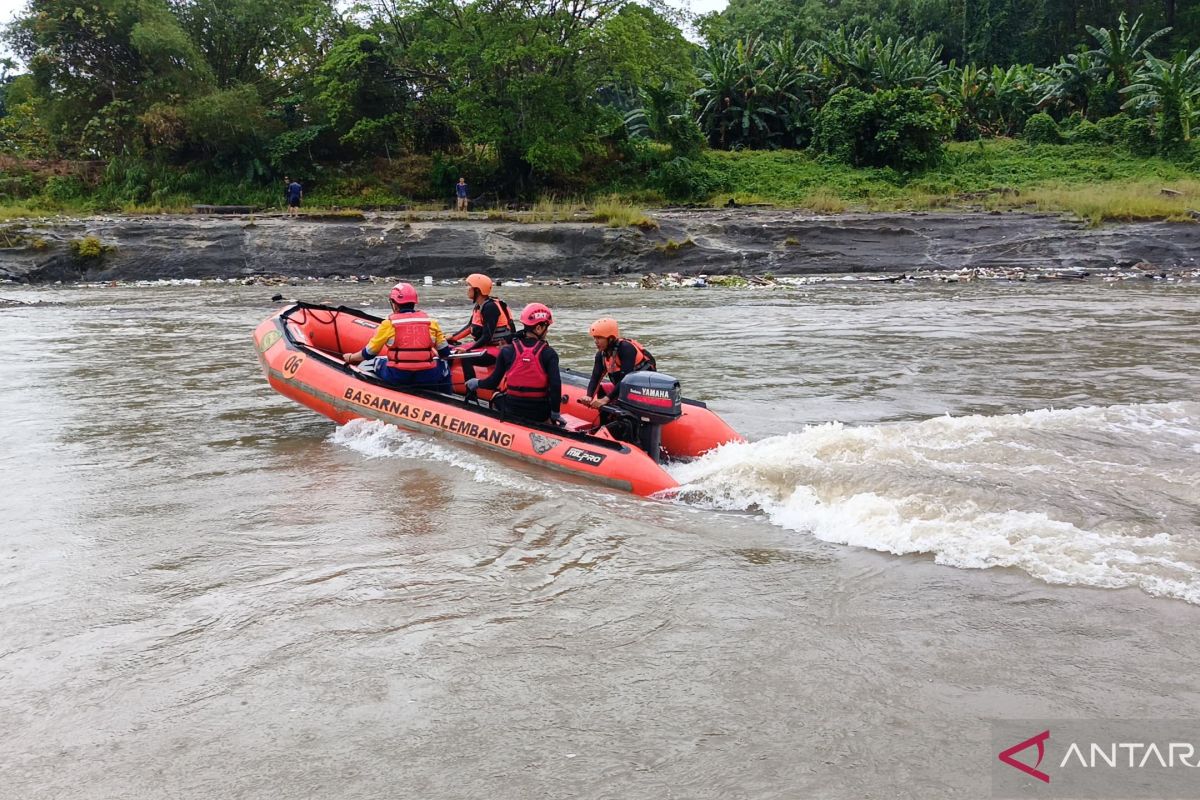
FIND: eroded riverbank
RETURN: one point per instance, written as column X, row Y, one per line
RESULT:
column 717, row 241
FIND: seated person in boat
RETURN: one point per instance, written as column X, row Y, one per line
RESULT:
column 615, row 358
column 491, row 325
column 527, row 373
column 412, row 344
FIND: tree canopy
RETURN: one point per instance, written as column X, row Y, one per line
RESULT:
column 551, row 93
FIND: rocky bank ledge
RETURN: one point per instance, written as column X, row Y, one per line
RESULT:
column 686, row 241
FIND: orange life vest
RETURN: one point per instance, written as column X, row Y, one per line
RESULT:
column 526, row 378
column 642, row 361
column 504, row 325
column 411, row 347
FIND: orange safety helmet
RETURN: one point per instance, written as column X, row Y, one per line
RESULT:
column 535, row 313
column 606, row 326
column 481, row 282
column 402, row 294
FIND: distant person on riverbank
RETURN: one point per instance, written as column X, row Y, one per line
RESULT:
column 413, row 345
column 295, row 193
column 462, row 193
column 527, row 372
column 615, row 358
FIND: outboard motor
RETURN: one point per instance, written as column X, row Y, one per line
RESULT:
column 649, row 400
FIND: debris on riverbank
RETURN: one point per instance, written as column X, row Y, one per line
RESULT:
column 677, row 281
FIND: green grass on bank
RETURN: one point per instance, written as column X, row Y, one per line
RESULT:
column 20, row 211
column 1122, row 201
column 1094, row 182
column 612, row 210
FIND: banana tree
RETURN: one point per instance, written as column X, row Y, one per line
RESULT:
column 964, row 91
column 1012, row 94
column 1067, row 85
column 1120, row 51
column 656, row 106
column 741, row 94
column 1172, row 90
column 905, row 63
column 720, row 83
column 796, row 89
column 862, row 60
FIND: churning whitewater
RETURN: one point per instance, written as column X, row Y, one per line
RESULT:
column 1102, row 497
column 934, row 487
column 376, row 439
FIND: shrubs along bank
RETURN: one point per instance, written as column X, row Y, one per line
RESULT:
column 1094, row 180
column 396, row 101
column 133, row 104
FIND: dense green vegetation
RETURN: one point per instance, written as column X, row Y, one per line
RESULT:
column 1095, row 181
column 982, row 32
column 151, row 104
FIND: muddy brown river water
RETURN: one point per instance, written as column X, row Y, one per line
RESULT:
column 959, row 503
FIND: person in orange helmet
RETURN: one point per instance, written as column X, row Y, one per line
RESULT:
column 615, row 358
column 413, row 345
column 527, row 373
column 491, row 323
column 490, row 327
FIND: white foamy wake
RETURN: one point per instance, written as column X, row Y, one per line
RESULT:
column 376, row 439
column 1057, row 494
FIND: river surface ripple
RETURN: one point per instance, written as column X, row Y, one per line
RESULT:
column 959, row 503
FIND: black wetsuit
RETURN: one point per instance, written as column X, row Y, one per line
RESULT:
column 538, row 410
column 482, row 335
column 627, row 354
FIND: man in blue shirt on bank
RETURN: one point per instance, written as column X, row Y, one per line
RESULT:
column 461, row 192
column 295, row 192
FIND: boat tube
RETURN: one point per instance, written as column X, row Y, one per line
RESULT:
column 300, row 349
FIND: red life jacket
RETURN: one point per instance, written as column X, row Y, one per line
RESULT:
column 526, row 377
column 642, row 361
column 411, row 347
column 504, row 325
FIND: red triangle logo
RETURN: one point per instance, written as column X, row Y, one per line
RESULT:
column 1039, row 740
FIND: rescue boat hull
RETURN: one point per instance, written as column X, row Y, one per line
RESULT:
column 300, row 349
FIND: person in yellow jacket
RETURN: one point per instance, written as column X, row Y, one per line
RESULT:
column 412, row 344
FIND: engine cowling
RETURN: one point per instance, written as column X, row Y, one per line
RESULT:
column 653, row 396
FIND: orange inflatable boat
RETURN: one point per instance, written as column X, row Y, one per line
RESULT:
column 300, row 350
